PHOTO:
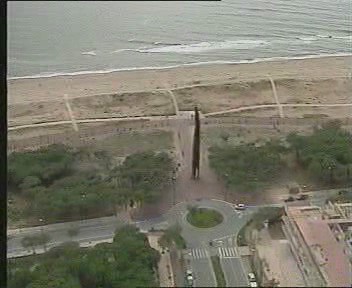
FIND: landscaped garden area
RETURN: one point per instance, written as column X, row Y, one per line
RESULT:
column 203, row 217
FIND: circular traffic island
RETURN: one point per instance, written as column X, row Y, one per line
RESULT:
column 204, row 217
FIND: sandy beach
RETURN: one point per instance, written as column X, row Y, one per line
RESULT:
column 213, row 88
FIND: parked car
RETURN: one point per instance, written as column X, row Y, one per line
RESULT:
column 189, row 277
column 289, row 199
column 190, row 281
column 240, row 207
column 251, row 277
column 302, row 197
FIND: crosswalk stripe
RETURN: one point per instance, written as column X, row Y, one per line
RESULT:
column 227, row 252
column 199, row 253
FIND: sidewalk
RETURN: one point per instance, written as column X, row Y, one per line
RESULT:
column 166, row 277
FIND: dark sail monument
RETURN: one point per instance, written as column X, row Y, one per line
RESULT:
column 196, row 145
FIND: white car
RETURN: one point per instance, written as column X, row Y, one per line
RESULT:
column 240, row 207
column 253, row 284
column 251, row 277
column 190, row 280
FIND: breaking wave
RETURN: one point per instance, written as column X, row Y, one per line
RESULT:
column 205, row 46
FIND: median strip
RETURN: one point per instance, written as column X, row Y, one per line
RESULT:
column 219, row 274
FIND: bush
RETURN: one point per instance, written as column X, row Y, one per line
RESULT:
column 48, row 164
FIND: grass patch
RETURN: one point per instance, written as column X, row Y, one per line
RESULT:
column 219, row 274
column 203, row 217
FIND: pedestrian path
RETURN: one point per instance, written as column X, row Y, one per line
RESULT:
column 227, row 252
column 198, row 253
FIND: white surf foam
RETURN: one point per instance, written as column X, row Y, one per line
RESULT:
column 308, row 39
column 90, row 53
column 256, row 60
column 205, row 46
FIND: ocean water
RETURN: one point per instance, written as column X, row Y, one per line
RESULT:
column 54, row 38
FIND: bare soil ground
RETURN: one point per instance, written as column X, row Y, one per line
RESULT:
column 125, row 144
column 314, row 91
column 222, row 87
column 122, row 105
column 225, row 96
column 281, row 263
column 20, row 114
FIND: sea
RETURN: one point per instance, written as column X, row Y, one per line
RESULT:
column 49, row 38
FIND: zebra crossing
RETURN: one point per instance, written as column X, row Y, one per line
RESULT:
column 198, row 253
column 227, row 252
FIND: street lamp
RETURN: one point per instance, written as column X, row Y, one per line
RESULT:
column 225, row 192
column 173, row 186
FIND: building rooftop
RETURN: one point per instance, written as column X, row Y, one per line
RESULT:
column 328, row 252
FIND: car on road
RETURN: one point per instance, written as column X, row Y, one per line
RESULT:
column 252, row 280
column 240, row 207
column 189, row 277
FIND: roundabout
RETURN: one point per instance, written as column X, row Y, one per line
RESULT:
column 211, row 220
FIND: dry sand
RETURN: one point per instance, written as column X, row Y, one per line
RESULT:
column 231, row 86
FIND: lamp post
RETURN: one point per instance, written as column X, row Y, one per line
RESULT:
column 174, row 187
column 225, row 192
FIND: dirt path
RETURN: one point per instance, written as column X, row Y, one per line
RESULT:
column 68, row 106
column 254, row 107
column 279, row 106
column 112, row 119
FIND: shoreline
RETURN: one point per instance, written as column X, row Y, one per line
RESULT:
column 195, row 64
column 35, row 90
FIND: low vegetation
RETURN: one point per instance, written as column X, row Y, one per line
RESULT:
column 219, row 274
column 172, row 236
column 247, row 167
column 128, row 262
column 269, row 214
column 343, row 196
column 325, row 156
column 54, row 187
column 203, row 217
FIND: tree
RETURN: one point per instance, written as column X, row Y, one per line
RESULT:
column 28, row 241
column 42, row 239
column 224, row 136
column 46, row 164
column 326, row 153
column 73, row 231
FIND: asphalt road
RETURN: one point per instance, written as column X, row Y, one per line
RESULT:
column 233, row 271
column 203, row 273
column 90, row 231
